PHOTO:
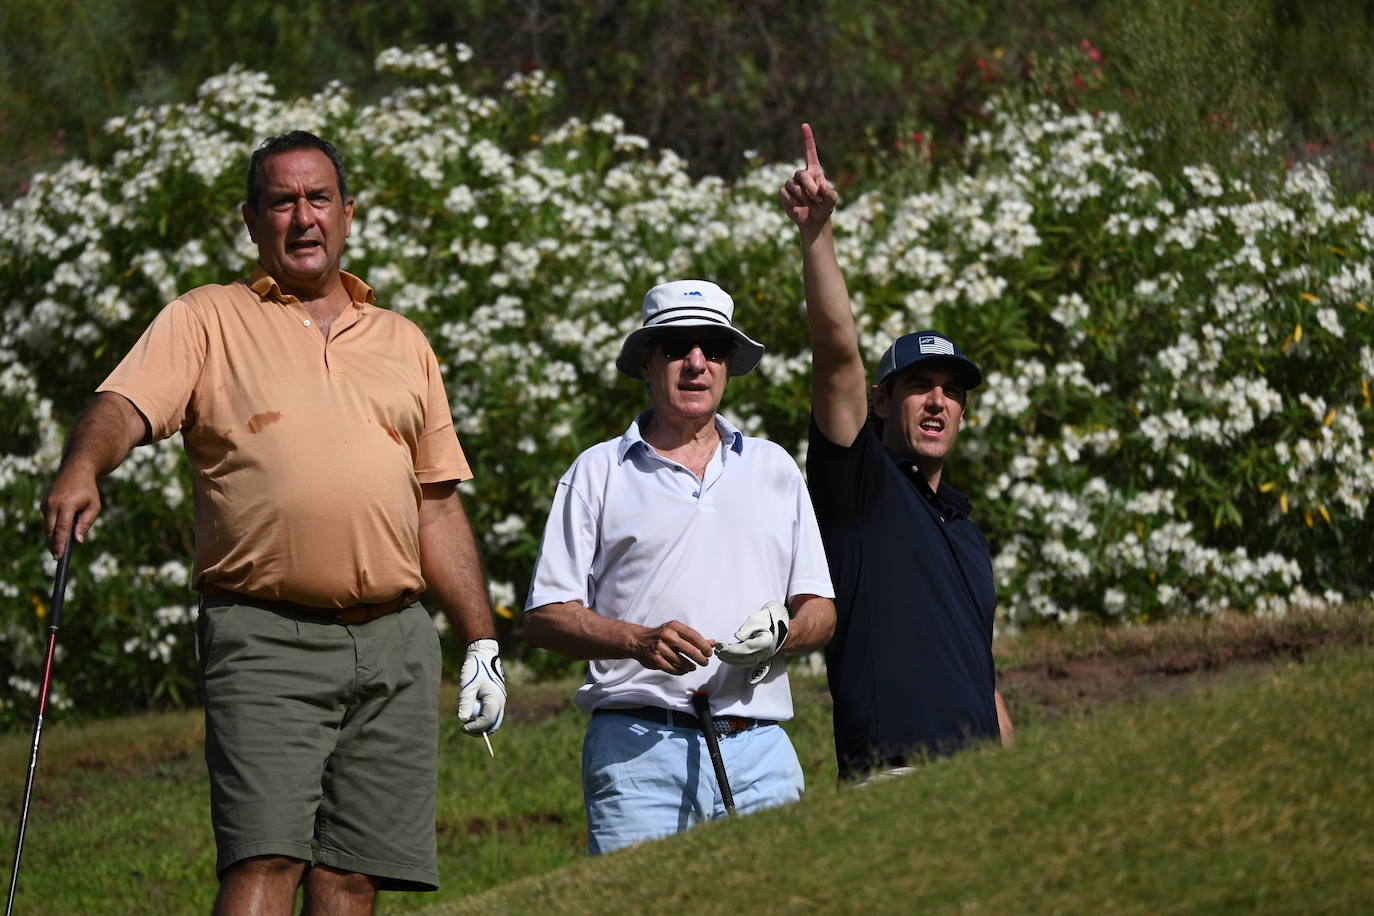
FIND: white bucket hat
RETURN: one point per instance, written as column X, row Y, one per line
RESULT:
column 688, row 304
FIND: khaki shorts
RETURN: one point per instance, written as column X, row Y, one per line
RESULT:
column 322, row 739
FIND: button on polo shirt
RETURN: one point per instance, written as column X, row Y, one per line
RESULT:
column 308, row 454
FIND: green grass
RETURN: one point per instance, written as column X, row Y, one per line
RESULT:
column 1252, row 795
column 120, row 817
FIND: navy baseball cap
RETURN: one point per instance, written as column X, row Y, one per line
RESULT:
column 910, row 349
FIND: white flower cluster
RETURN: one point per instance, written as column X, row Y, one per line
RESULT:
column 1176, row 409
column 423, row 60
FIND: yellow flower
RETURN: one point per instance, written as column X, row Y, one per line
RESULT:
column 1326, row 515
column 1267, row 486
column 1283, row 503
column 503, row 611
column 1309, row 297
column 1330, row 417
column 40, row 610
column 1297, row 334
column 1307, row 517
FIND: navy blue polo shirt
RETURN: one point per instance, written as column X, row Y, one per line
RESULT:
column 910, row 665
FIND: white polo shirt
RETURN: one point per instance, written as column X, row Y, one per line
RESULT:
column 636, row 537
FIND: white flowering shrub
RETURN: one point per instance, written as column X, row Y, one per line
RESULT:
column 1177, row 410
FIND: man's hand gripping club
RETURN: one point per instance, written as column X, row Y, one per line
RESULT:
column 759, row 639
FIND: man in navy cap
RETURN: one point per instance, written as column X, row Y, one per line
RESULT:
column 910, row 665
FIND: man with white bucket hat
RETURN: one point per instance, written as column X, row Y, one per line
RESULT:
column 657, row 542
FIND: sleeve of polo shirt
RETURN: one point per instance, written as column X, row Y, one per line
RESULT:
column 810, row 574
column 845, row 483
column 563, row 569
column 159, row 374
column 439, row 456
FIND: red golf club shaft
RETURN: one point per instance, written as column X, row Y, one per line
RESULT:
column 59, row 593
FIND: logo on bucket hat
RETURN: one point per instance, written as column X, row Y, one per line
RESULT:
column 688, row 304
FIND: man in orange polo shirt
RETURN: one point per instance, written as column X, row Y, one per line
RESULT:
column 325, row 467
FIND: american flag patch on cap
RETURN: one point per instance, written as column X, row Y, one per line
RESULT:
column 939, row 345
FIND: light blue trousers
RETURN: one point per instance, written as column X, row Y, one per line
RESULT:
column 642, row 780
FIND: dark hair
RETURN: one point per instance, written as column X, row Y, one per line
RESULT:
column 289, row 143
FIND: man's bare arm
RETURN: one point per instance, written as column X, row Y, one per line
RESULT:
column 1003, row 720
column 574, row 630
column 450, row 563
column 811, row 626
column 839, row 383
column 101, row 439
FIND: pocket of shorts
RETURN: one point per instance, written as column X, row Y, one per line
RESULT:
column 212, row 626
column 597, row 771
column 423, row 646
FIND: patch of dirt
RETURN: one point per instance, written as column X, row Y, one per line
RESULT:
column 1048, row 675
column 1053, row 689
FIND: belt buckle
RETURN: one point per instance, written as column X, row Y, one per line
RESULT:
column 731, row 725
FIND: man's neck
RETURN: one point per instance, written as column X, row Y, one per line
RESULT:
column 931, row 471
column 665, row 432
column 689, row 441
column 931, row 468
column 325, row 300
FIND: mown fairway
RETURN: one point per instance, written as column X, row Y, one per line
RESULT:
column 1249, row 795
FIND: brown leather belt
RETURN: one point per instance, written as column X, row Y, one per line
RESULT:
column 358, row 613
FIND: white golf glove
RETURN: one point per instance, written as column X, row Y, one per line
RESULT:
column 482, row 688
column 760, row 638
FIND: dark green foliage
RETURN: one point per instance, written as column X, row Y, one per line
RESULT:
column 715, row 78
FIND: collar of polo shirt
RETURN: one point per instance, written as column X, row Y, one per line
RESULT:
column 262, row 283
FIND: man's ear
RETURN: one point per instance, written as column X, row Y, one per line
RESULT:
column 645, row 351
column 880, row 395
column 249, row 214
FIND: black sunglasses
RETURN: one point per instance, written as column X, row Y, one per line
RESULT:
column 715, row 349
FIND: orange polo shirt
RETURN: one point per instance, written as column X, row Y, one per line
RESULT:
column 308, row 454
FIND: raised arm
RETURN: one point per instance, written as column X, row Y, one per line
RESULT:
column 839, row 383
column 101, row 439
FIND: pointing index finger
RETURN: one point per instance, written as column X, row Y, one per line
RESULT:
column 813, row 161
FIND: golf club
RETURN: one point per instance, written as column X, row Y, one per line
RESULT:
column 59, row 592
column 702, row 704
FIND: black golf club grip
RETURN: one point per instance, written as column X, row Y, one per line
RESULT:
column 701, row 702
column 59, row 582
